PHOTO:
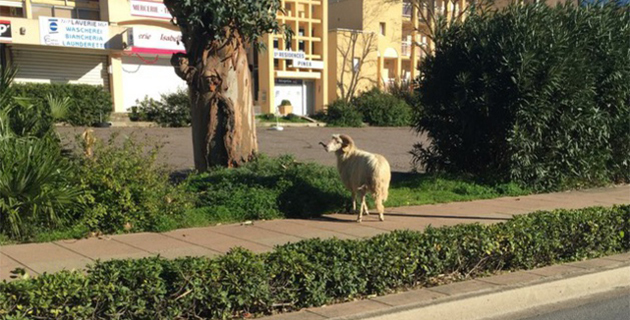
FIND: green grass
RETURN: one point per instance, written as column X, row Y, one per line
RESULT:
column 276, row 188
column 420, row 189
column 285, row 119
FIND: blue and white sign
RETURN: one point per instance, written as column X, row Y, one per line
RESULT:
column 76, row 33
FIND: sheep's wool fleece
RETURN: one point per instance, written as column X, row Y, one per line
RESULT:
column 352, row 166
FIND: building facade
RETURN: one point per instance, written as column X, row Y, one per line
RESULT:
column 380, row 42
column 126, row 45
column 294, row 70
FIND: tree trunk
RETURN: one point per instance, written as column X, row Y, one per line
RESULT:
column 220, row 88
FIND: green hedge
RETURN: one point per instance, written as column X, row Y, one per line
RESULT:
column 382, row 109
column 314, row 272
column 342, row 114
column 89, row 104
column 268, row 188
column 531, row 94
column 173, row 110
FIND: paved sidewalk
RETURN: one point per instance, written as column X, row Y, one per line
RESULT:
column 261, row 236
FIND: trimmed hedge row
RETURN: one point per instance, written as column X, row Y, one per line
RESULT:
column 89, row 104
column 314, row 272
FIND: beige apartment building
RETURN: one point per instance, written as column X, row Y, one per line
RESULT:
column 126, row 45
column 375, row 43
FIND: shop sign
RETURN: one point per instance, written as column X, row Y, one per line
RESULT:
column 76, row 33
column 151, row 9
column 289, row 55
column 5, row 31
column 147, row 40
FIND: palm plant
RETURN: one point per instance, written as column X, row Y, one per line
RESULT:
column 34, row 186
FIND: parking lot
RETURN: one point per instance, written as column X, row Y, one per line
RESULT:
column 302, row 142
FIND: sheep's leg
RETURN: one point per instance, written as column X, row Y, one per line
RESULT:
column 354, row 202
column 366, row 210
column 363, row 205
column 380, row 207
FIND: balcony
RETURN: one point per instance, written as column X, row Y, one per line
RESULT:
column 405, row 49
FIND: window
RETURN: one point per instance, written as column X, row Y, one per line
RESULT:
column 382, row 28
column 356, row 64
column 301, row 42
column 10, row 9
column 64, row 12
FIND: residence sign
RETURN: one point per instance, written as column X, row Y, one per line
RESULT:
column 152, row 9
column 154, row 41
column 76, row 33
column 298, row 59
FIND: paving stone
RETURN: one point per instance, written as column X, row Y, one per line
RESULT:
column 594, row 263
column 556, row 270
column 341, row 224
column 349, row 308
column 300, row 315
column 258, row 235
column 463, row 287
column 291, row 227
column 218, row 242
column 102, row 248
column 45, row 257
column 624, row 257
column 166, row 247
column 7, row 265
column 512, row 278
column 409, row 297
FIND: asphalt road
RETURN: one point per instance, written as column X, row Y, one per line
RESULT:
column 609, row 306
column 393, row 143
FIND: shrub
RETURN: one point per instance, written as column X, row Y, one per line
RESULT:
column 314, row 272
column 342, row 114
column 126, row 190
column 173, row 110
column 35, row 186
column 383, row 109
column 35, row 191
column 88, row 104
column 546, row 106
column 268, row 188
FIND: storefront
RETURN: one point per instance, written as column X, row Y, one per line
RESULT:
column 70, row 51
column 146, row 68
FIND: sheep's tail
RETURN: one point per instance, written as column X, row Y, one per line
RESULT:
column 381, row 179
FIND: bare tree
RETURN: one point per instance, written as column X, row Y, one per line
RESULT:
column 355, row 52
column 435, row 14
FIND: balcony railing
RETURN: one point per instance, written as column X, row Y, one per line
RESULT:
column 405, row 49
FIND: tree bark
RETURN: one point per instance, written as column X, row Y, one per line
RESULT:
column 221, row 104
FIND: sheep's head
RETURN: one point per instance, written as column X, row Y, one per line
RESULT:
column 338, row 142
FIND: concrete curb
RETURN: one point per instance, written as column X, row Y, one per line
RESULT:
column 483, row 298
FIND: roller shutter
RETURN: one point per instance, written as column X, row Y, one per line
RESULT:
column 152, row 77
column 60, row 67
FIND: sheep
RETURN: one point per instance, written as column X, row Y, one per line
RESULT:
column 361, row 172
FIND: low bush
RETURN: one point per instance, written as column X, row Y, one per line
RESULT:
column 126, row 190
column 315, row 272
column 268, row 188
column 270, row 117
column 383, row 109
column 342, row 114
column 173, row 110
column 88, row 104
